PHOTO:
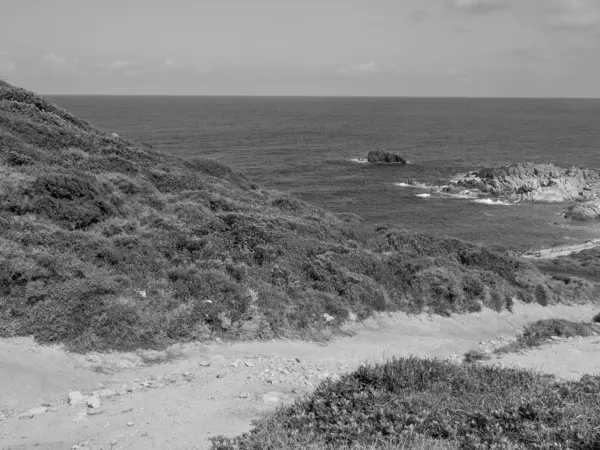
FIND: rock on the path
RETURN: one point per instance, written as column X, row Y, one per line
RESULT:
column 105, row 393
column 271, row 397
column 93, row 402
column 81, row 416
column 29, row 414
column 76, row 398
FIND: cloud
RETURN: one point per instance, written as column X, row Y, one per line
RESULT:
column 567, row 14
column 124, row 68
column 58, row 63
column 362, row 69
column 6, row 65
column 477, row 6
column 119, row 65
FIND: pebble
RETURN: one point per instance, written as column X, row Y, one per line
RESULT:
column 76, row 398
column 249, row 364
column 244, row 395
column 93, row 402
column 204, row 363
column 33, row 412
column 221, row 375
column 129, row 424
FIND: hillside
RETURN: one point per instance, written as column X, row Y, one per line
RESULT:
column 109, row 244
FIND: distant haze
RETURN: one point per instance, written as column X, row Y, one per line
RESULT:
column 534, row 48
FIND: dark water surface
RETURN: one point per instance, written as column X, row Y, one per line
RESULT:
column 305, row 146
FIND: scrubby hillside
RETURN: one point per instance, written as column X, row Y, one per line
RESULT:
column 109, row 244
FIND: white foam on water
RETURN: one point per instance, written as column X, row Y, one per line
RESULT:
column 360, row 160
column 423, row 195
column 490, row 201
column 414, row 185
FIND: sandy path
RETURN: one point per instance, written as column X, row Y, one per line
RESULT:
column 179, row 403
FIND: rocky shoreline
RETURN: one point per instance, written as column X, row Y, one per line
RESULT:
column 535, row 183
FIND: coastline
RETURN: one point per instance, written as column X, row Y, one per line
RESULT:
column 562, row 250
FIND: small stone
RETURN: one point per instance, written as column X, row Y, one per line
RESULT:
column 328, row 318
column 271, row 397
column 33, row 412
column 298, row 360
column 113, row 443
column 76, row 398
column 244, row 395
column 187, row 376
column 221, row 375
column 93, row 402
column 204, row 363
column 105, row 393
column 95, row 411
column 234, row 364
column 129, row 424
column 249, row 364
column 352, row 317
column 81, row 417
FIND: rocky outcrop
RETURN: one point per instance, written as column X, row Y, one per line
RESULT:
column 534, row 182
column 383, row 157
column 584, row 210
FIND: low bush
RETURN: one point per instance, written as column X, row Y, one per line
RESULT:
column 409, row 400
column 542, row 331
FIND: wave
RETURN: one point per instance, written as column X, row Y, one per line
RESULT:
column 415, row 185
column 423, row 195
column 466, row 194
column 360, row 160
column 491, row 201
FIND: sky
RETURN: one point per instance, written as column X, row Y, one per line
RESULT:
column 505, row 48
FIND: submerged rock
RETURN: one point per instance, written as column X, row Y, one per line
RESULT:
column 383, row 157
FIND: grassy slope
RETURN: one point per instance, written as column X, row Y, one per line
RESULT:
column 88, row 222
column 413, row 403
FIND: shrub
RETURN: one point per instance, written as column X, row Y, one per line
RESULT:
column 462, row 406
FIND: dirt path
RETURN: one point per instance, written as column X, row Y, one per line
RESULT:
column 177, row 399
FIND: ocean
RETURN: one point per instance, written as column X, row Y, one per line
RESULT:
column 307, row 146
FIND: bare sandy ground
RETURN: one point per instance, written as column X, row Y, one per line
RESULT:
column 563, row 250
column 177, row 399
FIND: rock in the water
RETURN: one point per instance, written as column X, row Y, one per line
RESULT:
column 33, row 412
column 584, row 210
column 76, row 398
column 534, row 182
column 383, row 157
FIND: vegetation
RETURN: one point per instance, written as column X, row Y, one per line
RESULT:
column 418, row 403
column 542, row 331
column 584, row 264
column 108, row 244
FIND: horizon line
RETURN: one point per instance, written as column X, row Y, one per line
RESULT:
column 474, row 97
